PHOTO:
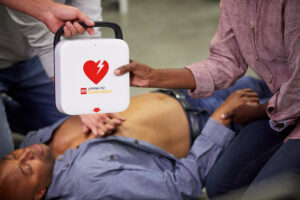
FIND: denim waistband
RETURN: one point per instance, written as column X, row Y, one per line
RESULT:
column 191, row 115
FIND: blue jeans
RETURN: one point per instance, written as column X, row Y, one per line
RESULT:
column 247, row 155
column 286, row 159
column 31, row 103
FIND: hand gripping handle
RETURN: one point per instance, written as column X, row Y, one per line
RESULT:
column 115, row 27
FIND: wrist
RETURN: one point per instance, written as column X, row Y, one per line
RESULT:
column 45, row 11
column 260, row 112
column 172, row 78
column 154, row 78
column 220, row 117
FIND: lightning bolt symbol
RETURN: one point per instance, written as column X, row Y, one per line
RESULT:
column 100, row 63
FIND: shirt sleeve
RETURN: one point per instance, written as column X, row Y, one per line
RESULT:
column 186, row 179
column 42, row 135
column 39, row 38
column 284, row 105
column 225, row 63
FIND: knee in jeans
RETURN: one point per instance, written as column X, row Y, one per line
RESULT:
column 214, row 186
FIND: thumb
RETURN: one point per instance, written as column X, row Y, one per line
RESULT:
column 85, row 130
column 84, row 18
column 123, row 69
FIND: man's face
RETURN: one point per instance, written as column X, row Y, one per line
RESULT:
column 25, row 172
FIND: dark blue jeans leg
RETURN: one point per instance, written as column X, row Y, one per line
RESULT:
column 285, row 160
column 243, row 159
column 6, row 143
column 33, row 104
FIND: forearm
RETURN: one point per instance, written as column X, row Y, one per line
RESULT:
column 172, row 78
column 35, row 8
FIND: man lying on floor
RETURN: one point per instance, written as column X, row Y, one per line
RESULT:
column 148, row 157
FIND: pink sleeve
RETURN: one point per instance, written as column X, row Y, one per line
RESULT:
column 225, row 63
column 285, row 104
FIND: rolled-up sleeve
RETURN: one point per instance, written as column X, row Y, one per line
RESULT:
column 284, row 107
column 284, row 104
column 225, row 63
column 186, row 179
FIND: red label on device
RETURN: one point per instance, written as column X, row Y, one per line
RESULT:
column 83, row 91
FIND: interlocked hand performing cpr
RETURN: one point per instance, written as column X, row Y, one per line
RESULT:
column 100, row 124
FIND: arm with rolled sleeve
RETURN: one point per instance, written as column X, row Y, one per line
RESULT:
column 284, row 107
column 184, row 181
column 225, row 63
column 40, row 39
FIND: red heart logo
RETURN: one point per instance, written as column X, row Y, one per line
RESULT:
column 95, row 71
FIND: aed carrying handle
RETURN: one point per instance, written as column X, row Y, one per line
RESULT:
column 115, row 27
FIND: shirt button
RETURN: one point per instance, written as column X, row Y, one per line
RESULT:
column 136, row 141
column 77, row 146
column 270, row 109
column 279, row 125
column 59, row 158
column 252, row 29
column 270, row 81
column 67, row 165
column 112, row 157
column 256, row 58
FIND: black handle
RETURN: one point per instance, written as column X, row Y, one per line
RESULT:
column 115, row 27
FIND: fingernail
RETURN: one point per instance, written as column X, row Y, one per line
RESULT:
column 223, row 116
column 117, row 72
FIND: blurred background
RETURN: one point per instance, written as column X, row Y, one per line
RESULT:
column 164, row 33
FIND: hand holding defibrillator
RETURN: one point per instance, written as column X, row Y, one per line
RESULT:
column 85, row 84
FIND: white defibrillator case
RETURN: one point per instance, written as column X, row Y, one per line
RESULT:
column 84, row 73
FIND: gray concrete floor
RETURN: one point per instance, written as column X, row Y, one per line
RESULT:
column 165, row 33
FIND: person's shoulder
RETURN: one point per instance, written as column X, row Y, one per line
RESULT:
column 42, row 135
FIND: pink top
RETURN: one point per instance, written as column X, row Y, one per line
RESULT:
column 264, row 35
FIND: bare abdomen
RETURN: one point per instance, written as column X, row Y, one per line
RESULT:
column 158, row 119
